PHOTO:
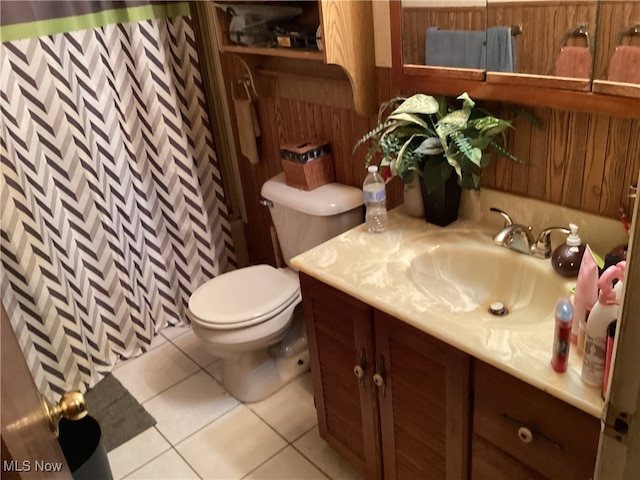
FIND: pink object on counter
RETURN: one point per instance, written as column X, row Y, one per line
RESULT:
column 586, row 292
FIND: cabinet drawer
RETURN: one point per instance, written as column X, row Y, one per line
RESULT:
column 541, row 431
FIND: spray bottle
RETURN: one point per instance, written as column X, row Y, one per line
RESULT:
column 603, row 313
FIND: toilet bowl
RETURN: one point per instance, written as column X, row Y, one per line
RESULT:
column 239, row 316
column 252, row 317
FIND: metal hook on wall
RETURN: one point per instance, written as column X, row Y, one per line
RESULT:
column 246, row 80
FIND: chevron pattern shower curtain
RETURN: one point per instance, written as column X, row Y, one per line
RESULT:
column 112, row 205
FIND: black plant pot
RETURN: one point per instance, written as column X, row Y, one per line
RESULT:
column 441, row 205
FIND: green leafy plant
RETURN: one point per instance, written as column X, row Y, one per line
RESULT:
column 422, row 136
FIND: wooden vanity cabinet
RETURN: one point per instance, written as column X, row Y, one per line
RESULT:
column 424, row 402
column 391, row 399
column 340, row 335
column 522, row 432
column 400, row 404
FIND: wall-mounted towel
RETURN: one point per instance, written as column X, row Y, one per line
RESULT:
column 493, row 49
column 574, row 62
column 625, row 64
column 501, row 50
column 455, row 48
column 248, row 128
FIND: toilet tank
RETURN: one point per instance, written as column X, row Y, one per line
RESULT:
column 306, row 219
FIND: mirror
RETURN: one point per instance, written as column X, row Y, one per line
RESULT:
column 617, row 66
column 554, row 44
column 446, row 36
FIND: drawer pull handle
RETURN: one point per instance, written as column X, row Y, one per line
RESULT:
column 528, row 435
column 525, row 435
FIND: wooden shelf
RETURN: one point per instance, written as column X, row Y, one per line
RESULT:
column 275, row 52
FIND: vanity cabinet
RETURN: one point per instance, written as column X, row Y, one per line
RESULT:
column 392, row 400
column 399, row 403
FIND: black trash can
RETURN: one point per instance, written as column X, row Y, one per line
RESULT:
column 83, row 449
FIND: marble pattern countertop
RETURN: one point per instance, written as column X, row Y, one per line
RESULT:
column 375, row 268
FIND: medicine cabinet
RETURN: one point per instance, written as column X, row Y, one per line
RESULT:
column 546, row 52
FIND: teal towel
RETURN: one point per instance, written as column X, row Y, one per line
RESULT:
column 493, row 50
column 501, row 50
column 454, row 48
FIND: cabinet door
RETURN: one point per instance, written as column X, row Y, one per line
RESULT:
column 339, row 330
column 424, row 403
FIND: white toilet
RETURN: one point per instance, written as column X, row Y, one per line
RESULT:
column 248, row 316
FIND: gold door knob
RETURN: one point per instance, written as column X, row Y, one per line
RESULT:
column 71, row 406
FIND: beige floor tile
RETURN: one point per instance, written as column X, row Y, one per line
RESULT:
column 168, row 466
column 134, row 453
column 286, row 465
column 155, row 371
column 231, row 446
column 325, row 458
column 188, row 406
column 290, row 411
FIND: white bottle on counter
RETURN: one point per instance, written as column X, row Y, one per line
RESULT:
column 375, row 201
column 603, row 313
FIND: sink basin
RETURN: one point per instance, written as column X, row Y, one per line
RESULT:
column 469, row 278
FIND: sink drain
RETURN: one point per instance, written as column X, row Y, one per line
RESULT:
column 498, row 309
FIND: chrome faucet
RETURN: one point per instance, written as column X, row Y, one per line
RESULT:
column 520, row 238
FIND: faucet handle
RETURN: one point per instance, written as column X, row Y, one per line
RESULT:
column 505, row 215
column 542, row 247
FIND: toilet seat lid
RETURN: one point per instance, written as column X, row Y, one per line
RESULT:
column 243, row 297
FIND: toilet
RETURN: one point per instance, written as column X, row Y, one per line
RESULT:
column 251, row 317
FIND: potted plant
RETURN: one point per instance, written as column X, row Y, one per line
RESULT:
column 421, row 136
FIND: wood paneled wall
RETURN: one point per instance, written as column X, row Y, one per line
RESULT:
column 584, row 161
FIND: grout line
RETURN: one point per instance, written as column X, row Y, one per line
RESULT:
column 160, row 392
column 207, row 424
column 150, row 460
column 268, row 459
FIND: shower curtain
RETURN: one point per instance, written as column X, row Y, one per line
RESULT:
column 112, row 204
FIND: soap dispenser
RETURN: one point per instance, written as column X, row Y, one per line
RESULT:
column 567, row 257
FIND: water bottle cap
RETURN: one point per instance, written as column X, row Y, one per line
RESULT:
column 372, row 168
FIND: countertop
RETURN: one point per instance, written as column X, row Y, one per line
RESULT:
column 375, row 268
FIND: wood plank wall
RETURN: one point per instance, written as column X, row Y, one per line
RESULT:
column 584, row 161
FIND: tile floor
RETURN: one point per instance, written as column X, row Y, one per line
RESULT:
column 203, row 432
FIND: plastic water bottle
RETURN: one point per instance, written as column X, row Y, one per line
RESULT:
column 375, row 201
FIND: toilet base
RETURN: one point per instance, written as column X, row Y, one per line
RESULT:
column 253, row 376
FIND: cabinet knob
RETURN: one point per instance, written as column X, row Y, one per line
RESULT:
column 378, row 380
column 361, row 367
column 525, row 435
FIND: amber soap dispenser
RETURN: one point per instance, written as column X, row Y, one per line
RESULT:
column 567, row 257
